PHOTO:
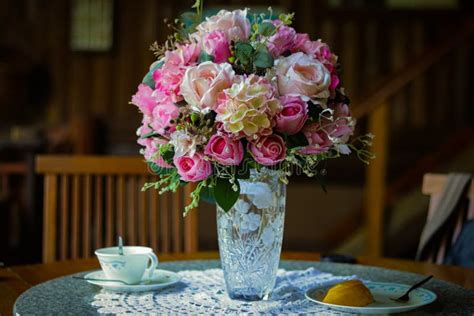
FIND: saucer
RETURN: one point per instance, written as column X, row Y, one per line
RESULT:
column 382, row 293
column 160, row 279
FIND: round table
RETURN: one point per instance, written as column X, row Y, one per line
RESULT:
column 66, row 295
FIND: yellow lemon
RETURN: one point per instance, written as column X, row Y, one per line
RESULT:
column 349, row 293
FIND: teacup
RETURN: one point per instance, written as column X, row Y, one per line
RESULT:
column 132, row 267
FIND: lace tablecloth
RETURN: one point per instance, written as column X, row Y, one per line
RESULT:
column 68, row 296
column 203, row 292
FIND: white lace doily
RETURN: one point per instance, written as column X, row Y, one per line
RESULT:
column 203, row 292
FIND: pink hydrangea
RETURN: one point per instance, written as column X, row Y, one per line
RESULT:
column 144, row 99
column 163, row 114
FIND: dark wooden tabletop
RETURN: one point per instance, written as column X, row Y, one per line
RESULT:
column 17, row 279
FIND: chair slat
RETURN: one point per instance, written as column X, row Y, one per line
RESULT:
column 153, row 219
column 75, row 217
column 109, row 225
column 142, row 207
column 131, row 210
column 176, row 218
column 49, row 219
column 64, row 229
column 86, row 223
column 190, row 222
column 120, row 206
column 91, row 199
column 165, row 223
column 98, row 210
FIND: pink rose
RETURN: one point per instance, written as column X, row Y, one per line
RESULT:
column 183, row 55
column 342, row 125
column 234, row 24
column 224, row 150
column 203, row 84
column 320, row 51
column 193, row 169
column 162, row 116
column 318, row 140
column 168, row 78
column 301, row 75
column 144, row 99
column 268, row 150
column 151, row 152
column 282, row 40
column 293, row 116
column 217, row 45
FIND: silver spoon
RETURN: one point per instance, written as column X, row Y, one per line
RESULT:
column 406, row 297
column 120, row 245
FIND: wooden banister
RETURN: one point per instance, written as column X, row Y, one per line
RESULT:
column 394, row 83
column 376, row 107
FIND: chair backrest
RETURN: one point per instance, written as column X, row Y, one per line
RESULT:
column 434, row 185
column 90, row 200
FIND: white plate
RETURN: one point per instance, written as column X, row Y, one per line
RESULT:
column 382, row 292
column 160, row 279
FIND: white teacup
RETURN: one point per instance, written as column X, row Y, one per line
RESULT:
column 131, row 267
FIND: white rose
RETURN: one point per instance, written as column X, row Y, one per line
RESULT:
column 301, row 75
column 234, row 24
column 202, row 84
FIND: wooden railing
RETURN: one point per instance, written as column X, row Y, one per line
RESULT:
column 376, row 108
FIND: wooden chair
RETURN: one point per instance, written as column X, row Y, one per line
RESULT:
column 90, row 200
column 433, row 185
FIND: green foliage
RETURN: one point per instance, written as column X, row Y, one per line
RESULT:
column 263, row 58
column 203, row 56
column 225, row 194
column 150, row 134
column 244, row 53
column 148, row 79
column 287, row 19
column 266, row 29
column 297, row 140
column 167, row 152
column 207, row 195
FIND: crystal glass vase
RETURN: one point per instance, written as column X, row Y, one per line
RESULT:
column 250, row 236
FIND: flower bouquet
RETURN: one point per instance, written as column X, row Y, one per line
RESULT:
column 237, row 103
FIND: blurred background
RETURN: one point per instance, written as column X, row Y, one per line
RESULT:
column 68, row 69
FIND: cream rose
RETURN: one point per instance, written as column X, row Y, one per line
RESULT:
column 234, row 24
column 301, row 75
column 202, row 84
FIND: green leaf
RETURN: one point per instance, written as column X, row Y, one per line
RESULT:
column 244, row 52
column 263, row 58
column 155, row 169
column 190, row 19
column 203, row 56
column 297, row 140
column 266, row 29
column 167, row 153
column 207, row 195
column 150, row 134
column 224, row 194
column 148, row 79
